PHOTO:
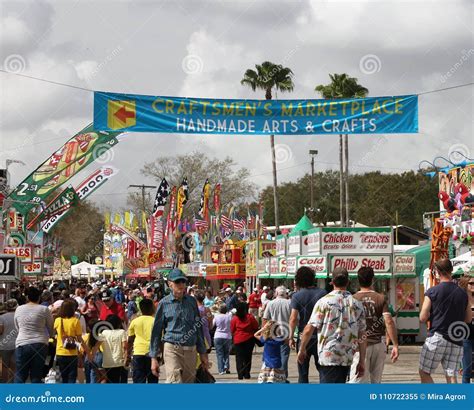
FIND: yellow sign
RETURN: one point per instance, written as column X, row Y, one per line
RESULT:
column 121, row 114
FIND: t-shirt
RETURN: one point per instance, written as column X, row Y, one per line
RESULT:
column 34, row 324
column 8, row 337
column 448, row 305
column 303, row 301
column 222, row 323
column 375, row 306
column 141, row 327
column 278, row 310
column 71, row 327
column 272, row 353
column 114, row 309
column 254, row 301
column 112, row 343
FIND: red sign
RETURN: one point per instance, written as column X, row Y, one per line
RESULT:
column 22, row 252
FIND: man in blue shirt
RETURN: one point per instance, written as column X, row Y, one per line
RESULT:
column 177, row 332
column 302, row 304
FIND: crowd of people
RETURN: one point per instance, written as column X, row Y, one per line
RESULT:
column 106, row 332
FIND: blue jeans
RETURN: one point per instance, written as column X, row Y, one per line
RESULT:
column 30, row 362
column 285, row 355
column 67, row 368
column 333, row 374
column 467, row 361
column 222, row 352
column 311, row 351
column 142, row 370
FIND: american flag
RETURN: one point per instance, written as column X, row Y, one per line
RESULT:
column 239, row 224
column 160, row 199
column 227, row 223
column 200, row 224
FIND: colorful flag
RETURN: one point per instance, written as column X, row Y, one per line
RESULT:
column 217, row 198
column 61, row 202
column 89, row 185
column 160, row 198
column 81, row 150
column 155, row 239
column 226, row 223
column 238, row 224
column 204, row 206
column 183, row 195
column 170, row 219
column 201, row 225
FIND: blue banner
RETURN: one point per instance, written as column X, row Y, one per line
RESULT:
column 143, row 113
column 201, row 396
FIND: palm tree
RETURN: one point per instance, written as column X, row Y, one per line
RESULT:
column 343, row 86
column 268, row 76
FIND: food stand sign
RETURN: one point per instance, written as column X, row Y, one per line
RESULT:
column 357, row 240
column 317, row 262
column 313, row 239
column 379, row 263
column 34, row 268
column 291, row 266
column 23, row 253
column 294, row 243
column 281, row 245
column 404, row 264
column 8, row 268
column 251, row 258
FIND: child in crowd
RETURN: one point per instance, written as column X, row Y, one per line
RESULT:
column 272, row 371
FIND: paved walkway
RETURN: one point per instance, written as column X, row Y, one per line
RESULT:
column 404, row 371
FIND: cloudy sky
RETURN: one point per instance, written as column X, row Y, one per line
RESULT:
column 202, row 48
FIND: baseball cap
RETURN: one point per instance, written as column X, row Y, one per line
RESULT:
column 228, row 290
column 106, row 294
column 11, row 304
column 265, row 288
column 176, row 274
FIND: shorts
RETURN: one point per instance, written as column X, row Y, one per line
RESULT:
column 438, row 350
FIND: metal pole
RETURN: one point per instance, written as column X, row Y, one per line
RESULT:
column 312, row 182
column 275, row 184
column 341, row 182
column 346, row 177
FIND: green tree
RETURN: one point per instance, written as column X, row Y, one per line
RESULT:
column 81, row 232
column 236, row 188
column 343, row 86
column 268, row 76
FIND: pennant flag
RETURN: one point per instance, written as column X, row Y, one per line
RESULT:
column 81, row 150
column 107, row 217
column 118, row 219
column 204, row 206
column 171, row 212
column 128, row 220
column 156, row 234
column 183, row 195
column 217, row 198
column 160, row 198
column 89, row 185
column 61, row 202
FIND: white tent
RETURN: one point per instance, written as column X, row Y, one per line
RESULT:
column 86, row 270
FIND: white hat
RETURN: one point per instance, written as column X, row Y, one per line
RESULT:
column 228, row 290
column 265, row 288
column 238, row 291
column 255, row 289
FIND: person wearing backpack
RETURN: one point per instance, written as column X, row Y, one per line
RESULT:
column 69, row 336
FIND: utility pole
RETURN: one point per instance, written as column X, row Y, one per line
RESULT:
column 346, row 177
column 143, row 187
column 312, row 152
column 275, row 185
column 341, row 182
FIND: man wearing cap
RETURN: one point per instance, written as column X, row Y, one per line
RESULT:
column 339, row 320
column 254, row 302
column 231, row 299
column 177, row 333
column 110, row 306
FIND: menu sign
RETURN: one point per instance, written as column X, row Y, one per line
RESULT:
column 313, row 240
column 404, row 263
column 379, row 263
column 317, row 263
column 356, row 240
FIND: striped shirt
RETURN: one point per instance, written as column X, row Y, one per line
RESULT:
column 177, row 322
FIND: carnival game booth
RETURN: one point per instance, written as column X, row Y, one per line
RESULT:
column 230, row 268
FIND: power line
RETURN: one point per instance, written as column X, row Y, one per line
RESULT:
column 89, row 90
